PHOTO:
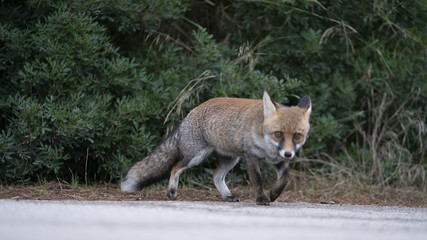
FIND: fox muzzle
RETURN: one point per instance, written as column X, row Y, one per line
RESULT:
column 286, row 154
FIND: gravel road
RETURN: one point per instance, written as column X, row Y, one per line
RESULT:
column 78, row 220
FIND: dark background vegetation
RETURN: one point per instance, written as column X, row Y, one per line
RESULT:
column 89, row 87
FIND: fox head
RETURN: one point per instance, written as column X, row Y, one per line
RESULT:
column 286, row 128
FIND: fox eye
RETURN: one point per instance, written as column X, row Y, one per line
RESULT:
column 278, row 134
column 297, row 136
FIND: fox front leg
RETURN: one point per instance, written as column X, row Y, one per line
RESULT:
column 282, row 170
column 256, row 180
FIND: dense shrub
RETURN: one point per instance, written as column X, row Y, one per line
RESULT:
column 86, row 86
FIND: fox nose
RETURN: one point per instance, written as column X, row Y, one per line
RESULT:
column 286, row 154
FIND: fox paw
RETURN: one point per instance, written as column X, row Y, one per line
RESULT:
column 262, row 200
column 171, row 196
column 232, row 198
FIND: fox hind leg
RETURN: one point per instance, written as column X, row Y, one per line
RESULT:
column 174, row 180
column 225, row 164
column 181, row 166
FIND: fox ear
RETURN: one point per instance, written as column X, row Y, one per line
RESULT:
column 305, row 103
column 269, row 108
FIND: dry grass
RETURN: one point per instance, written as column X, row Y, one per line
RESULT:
column 309, row 188
column 301, row 188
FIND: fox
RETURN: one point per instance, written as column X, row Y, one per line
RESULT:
column 231, row 128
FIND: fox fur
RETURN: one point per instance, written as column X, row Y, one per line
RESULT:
column 232, row 128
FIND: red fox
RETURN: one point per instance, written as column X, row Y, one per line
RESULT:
column 257, row 130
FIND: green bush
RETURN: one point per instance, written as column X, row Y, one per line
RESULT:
column 89, row 87
column 70, row 101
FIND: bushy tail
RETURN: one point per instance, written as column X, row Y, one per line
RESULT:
column 156, row 166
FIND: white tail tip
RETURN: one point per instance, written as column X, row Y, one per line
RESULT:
column 128, row 186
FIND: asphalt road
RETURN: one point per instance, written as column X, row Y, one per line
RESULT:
column 206, row 220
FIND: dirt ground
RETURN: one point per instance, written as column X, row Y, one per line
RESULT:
column 326, row 194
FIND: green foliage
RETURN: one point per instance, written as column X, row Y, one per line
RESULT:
column 86, row 86
column 70, row 101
